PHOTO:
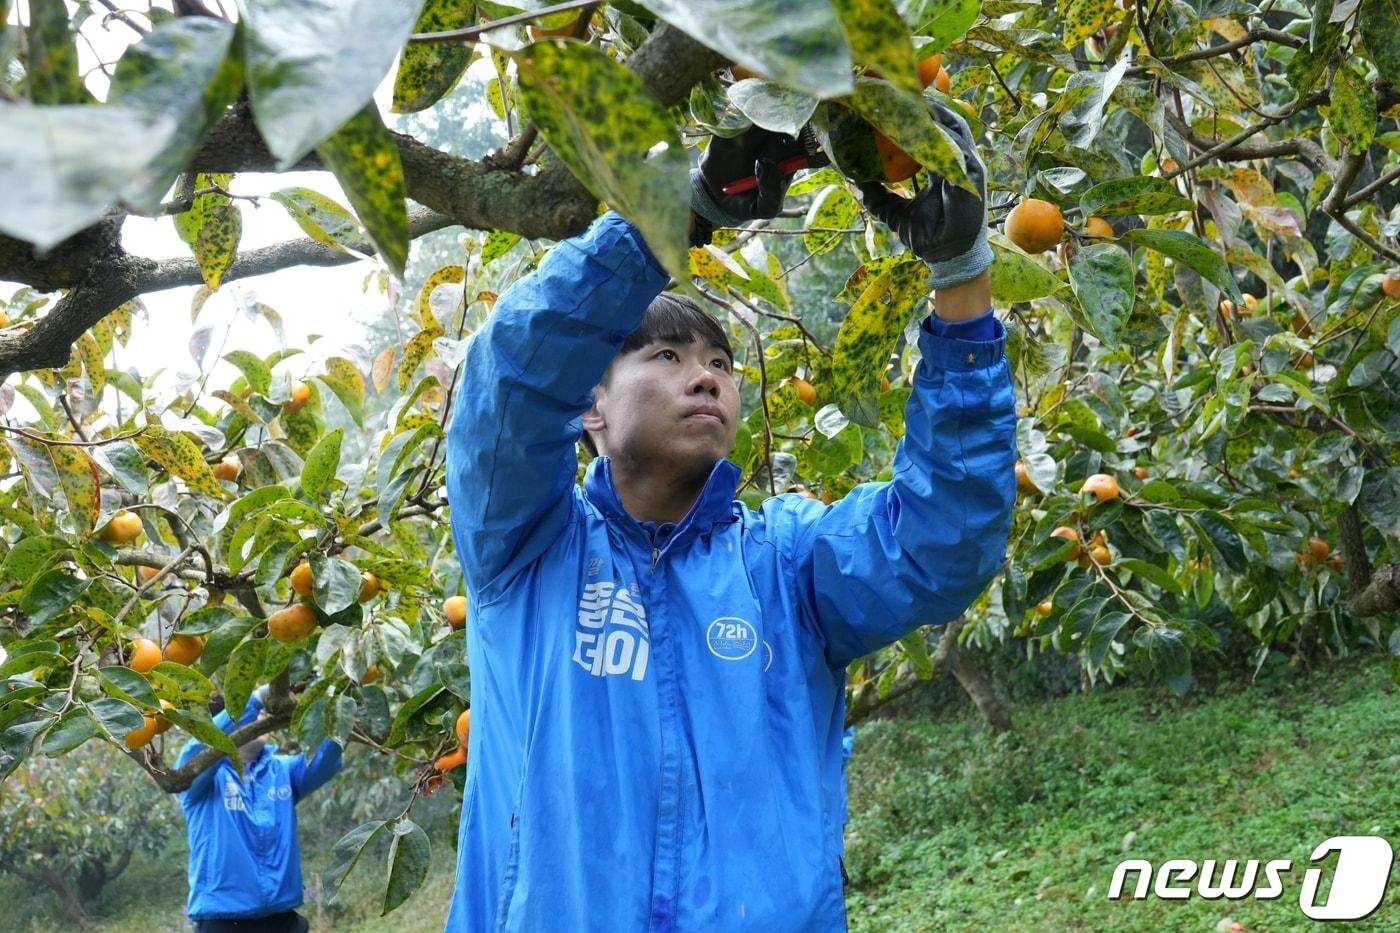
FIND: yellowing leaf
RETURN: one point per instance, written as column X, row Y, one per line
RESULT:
column 868, row 335
column 382, row 369
column 322, row 219
column 365, row 161
column 181, row 456
column 428, row 71
column 447, row 275
column 417, row 349
column 618, row 141
column 212, row 228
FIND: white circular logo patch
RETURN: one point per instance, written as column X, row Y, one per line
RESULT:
column 731, row 638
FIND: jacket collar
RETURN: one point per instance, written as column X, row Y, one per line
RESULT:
column 715, row 503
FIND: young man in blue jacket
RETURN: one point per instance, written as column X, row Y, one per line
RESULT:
column 245, row 862
column 657, row 669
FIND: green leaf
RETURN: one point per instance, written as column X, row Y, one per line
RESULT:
column 869, row 333
column 409, row 856
column 180, row 682
column 76, row 474
column 1017, row 276
column 1379, row 21
column 794, row 42
column 313, row 65
column 407, row 709
column 833, row 209
column 197, row 722
column 32, row 555
column 322, row 218
column 337, row 583
column 1151, row 573
column 75, row 728
column 116, row 716
column 51, row 593
column 52, row 68
column 428, row 71
column 616, row 139
column 181, row 457
column 497, row 244
column 917, row 652
column 1101, row 636
column 182, row 69
column 347, row 851
column 1170, row 657
column 943, row 21
column 1144, row 195
column 124, row 463
column 1103, row 280
column 879, row 39
column 257, row 372
column 1189, row 250
column 241, row 674
column 126, row 684
column 56, row 182
column 771, row 106
column 365, row 161
column 905, row 119
column 1224, row 539
column 1352, row 111
column 211, row 228
column 321, row 465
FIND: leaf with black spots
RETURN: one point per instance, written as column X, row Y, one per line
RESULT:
column 616, row 139
column 428, row 71
column 365, row 161
column 314, row 64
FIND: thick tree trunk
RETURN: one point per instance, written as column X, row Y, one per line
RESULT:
column 978, row 684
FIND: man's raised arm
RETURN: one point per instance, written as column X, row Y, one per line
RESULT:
column 918, row 549
column 528, row 374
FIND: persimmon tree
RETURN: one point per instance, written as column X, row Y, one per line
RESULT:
column 1205, row 352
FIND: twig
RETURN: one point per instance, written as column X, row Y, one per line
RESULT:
column 181, row 204
column 471, row 33
column 122, row 16
column 58, row 443
column 1363, row 193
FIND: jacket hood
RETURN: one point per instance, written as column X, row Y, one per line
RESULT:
column 715, row 504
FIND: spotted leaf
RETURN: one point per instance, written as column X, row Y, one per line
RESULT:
column 365, row 161
column 423, row 308
column 1144, row 195
column 313, row 64
column 1083, row 18
column 52, row 69
column 322, row 219
column 428, row 71
column 183, row 69
column 414, row 352
column 1102, row 276
column 799, row 43
column 905, row 119
column 181, row 456
column 879, row 39
column 75, row 473
column 618, row 141
column 212, row 228
column 868, row 335
column 1016, row 276
column 1189, row 250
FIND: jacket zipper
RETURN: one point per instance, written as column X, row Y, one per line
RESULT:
column 655, row 556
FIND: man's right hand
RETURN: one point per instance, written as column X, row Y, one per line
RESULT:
column 755, row 152
column 944, row 225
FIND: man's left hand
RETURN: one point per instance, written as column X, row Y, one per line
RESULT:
column 755, row 152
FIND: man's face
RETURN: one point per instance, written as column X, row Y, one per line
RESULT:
column 667, row 405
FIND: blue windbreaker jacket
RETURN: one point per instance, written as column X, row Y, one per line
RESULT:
column 244, row 857
column 657, row 712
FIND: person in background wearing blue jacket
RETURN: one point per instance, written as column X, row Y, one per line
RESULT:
column 245, row 862
column 658, row 670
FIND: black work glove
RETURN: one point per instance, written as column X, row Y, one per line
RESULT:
column 755, row 152
column 944, row 225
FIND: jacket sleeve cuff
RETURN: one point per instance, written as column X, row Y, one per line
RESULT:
column 961, row 346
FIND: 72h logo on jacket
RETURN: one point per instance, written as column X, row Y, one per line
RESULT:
column 612, row 635
column 731, row 638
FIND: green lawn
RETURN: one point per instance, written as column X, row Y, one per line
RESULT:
column 955, row 829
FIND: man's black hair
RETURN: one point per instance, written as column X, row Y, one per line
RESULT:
column 672, row 318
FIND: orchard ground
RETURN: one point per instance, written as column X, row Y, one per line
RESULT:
column 954, row 828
